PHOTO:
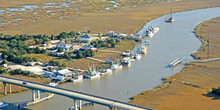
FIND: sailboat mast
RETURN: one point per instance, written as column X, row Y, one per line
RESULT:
column 171, row 12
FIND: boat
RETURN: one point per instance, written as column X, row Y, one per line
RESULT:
column 147, row 42
column 170, row 19
column 126, row 53
column 151, row 31
column 126, row 61
column 144, row 49
column 138, row 56
column 92, row 73
column 105, row 71
column 77, row 78
column 3, row 104
column 115, row 66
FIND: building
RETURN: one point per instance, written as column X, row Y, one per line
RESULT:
column 111, row 33
column 60, row 54
column 49, row 75
column 64, row 72
column 91, row 47
column 66, row 47
column 85, row 38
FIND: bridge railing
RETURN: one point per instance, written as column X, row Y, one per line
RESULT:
column 116, row 101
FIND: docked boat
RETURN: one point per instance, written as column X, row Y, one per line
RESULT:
column 151, row 31
column 126, row 61
column 105, row 71
column 77, row 78
column 170, row 19
column 144, row 49
column 138, row 56
column 126, row 53
column 147, row 42
column 3, row 104
column 92, row 73
column 115, row 66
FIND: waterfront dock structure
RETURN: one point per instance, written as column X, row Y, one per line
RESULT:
column 175, row 62
column 73, row 94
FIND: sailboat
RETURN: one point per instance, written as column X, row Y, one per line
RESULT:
column 170, row 19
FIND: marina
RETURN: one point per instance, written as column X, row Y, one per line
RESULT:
column 148, row 71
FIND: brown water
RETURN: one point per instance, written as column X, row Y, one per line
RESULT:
column 174, row 40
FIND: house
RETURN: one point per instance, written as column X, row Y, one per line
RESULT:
column 52, row 51
column 31, row 63
column 64, row 72
column 60, row 54
column 85, row 38
column 49, row 75
column 108, row 61
column 110, row 33
column 60, row 78
column 91, row 47
column 65, row 47
column 43, row 45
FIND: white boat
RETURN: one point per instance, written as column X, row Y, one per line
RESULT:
column 105, row 71
column 92, row 73
column 114, row 66
column 144, row 49
column 77, row 78
column 146, row 42
column 92, row 76
column 126, row 61
column 170, row 19
column 3, row 104
column 126, row 53
column 138, row 56
column 151, row 31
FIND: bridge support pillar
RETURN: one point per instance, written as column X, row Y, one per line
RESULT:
column 9, row 88
column 38, row 94
column 80, row 105
column 75, row 104
column 5, row 89
column 33, row 95
column 110, row 108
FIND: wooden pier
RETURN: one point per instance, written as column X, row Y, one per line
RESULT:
column 175, row 62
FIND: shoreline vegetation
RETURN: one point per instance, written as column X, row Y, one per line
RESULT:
column 190, row 88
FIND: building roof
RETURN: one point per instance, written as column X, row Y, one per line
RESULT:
column 64, row 71
column 86, row 36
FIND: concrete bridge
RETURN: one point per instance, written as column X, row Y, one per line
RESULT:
column 71, row 94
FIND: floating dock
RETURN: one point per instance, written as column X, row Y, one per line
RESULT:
column 175, row 62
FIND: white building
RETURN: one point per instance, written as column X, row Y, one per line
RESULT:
column 64, row 72
column 65, row 47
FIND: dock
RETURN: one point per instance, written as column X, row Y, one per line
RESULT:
column 108, row 51
column 95, row 59
column 175, row 62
